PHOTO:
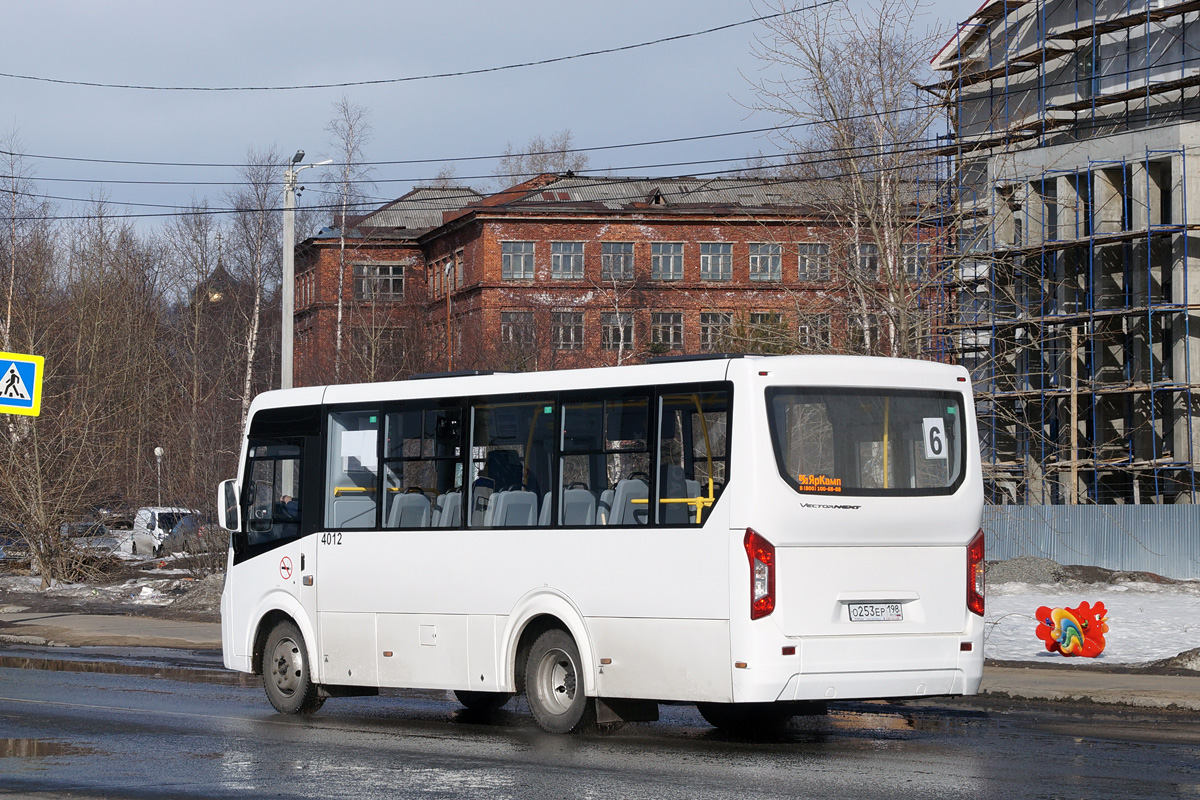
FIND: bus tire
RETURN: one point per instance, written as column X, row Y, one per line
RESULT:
column 747, row 719
column 482, row 701
column 554, row 685
column 287, row 676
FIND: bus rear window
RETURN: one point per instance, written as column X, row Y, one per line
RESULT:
column 867, row 441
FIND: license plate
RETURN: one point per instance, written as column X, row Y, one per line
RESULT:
column 876, row 612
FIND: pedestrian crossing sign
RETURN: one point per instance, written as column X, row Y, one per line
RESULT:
column 20, row 384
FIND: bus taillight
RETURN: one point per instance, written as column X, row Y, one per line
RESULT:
column 975, row 574
column 762, row 574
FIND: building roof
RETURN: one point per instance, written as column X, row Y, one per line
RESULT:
column 419, row 210
column 618, row 193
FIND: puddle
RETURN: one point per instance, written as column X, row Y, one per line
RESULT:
column 41, row 748
column 212, row 676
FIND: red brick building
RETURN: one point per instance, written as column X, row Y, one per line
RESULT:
column 567, row 271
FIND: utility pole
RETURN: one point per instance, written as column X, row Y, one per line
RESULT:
column 288, row 294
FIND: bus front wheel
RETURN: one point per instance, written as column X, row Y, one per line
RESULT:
column 554, row 685
column 287, row 676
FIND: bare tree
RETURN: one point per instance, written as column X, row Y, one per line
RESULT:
column 350, row 131
column 850, row 75
column 254, row 252
column 539, row 155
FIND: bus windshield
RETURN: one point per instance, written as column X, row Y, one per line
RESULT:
column 867, row 441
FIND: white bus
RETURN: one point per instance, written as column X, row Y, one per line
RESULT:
column 755, row 535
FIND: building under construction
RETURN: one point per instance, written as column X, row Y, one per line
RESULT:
column 1075, row 133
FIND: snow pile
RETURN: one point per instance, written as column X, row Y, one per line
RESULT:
column 1150, row 618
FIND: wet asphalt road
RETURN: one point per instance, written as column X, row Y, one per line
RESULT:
column 169, row 724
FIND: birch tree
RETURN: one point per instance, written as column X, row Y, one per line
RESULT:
column 350, row 131
column 254, row 254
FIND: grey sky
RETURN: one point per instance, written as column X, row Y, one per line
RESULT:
column 677, row 89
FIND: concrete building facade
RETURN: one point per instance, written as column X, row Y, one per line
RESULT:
column 1075, row 127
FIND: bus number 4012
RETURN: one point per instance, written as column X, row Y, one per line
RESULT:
column 331, row 538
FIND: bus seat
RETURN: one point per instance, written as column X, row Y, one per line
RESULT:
column 354, row 512
column 579, row 507
column 516, row 508
column 409, row 510
column 604, row 507
column 624, row 512
column 544, row 517
column 451, row 514
column 435, row 510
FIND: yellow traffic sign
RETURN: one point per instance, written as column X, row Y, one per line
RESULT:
column 20, row 384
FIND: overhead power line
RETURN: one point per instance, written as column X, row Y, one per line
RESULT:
column 410, row 78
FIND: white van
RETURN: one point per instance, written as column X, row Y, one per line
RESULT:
column 151, row 525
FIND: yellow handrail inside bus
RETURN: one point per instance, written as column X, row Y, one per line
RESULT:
column 886, row 410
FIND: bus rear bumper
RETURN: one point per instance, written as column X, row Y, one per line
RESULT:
column 871, row 685
column 862, row 668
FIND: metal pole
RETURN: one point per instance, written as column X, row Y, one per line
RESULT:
column 288, row 301
column 449, row 356
column 1074, row 417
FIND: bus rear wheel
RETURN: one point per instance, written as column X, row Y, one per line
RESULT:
column 287, row 676
column 554, row 685
column 482, row 701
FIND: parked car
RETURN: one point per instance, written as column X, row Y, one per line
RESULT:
column 151, row 525
column 13, row 546
column 94, row 536
column 192, row 535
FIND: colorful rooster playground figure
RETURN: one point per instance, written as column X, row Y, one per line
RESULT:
column 1075, row 631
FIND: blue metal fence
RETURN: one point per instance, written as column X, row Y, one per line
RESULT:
column 1160, row 539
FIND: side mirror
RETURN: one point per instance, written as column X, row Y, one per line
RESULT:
column 228, row 508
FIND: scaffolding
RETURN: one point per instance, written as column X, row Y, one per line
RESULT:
column 1077, row 274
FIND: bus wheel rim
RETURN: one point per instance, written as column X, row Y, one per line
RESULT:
column 557, row 681
column 287, row 667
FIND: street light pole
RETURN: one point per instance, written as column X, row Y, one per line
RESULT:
column 288, row 294
column 158, row 454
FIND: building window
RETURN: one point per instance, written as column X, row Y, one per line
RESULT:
column 766, row 262
column 814, row 261
column 566, row 260
column 516, row 328
column 617, row 330
column 915, row 256
column 714, row 329
column 814, row 333
column 716, row 261
column 666, row 331
column 866, row 260
column 616, row 261
column 378, row 280
column 567, row 330
column 460, row 267
column 516, row 261
column 666, row 261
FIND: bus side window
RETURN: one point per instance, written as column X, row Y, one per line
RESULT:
column 512, row 455
column 352, row 472
column 422, row 468
column 692, row 456
column 273, row 488
column 604, row 468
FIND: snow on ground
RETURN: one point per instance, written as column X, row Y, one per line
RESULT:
column 1146, row 621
